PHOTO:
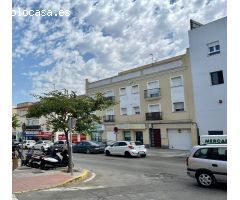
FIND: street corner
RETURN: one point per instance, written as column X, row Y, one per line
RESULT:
column 47, row 180
column 80, row 177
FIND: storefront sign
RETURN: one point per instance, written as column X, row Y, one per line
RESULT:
column 213, row 139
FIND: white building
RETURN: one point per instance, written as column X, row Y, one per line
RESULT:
column 208, row 55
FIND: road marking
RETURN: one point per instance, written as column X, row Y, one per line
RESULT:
column 74, row 188
column 92, row 177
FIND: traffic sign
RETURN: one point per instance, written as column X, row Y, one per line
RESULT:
column 115, row 129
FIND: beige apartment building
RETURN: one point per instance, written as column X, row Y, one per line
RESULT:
column 154, row 104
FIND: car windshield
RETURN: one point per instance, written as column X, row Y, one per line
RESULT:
column 137, row 143
column 93, row 143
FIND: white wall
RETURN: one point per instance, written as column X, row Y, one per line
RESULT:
column 210, row 114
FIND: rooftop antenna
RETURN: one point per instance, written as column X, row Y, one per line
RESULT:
column 152, row 57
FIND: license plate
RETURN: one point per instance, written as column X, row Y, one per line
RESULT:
column 141, row 152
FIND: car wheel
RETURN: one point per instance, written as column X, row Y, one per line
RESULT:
column 205, row 179
column 127, row 154
column 108, row 153
column 87, row 151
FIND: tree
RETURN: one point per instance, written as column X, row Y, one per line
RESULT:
column 15, row 121
column 58, row 106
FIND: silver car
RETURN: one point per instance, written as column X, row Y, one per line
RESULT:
column 208, row 164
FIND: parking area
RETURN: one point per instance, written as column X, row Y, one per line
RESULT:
column 161, row 175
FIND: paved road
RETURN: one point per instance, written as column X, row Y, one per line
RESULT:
column 160, row 176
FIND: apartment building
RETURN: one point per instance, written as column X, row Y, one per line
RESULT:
column 35, row 127
column 208, row 55
column 155, row 104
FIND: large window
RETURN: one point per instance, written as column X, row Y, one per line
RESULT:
column 217, row 77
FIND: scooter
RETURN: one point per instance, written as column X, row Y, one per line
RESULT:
column 55, row 160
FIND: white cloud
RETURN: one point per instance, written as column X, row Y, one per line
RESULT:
column 132, row 31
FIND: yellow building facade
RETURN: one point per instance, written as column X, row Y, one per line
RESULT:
column 154, row 104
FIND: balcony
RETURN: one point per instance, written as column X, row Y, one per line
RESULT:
column 152, row 93
column 154, row 116
column 112, row 98
column 109, row 118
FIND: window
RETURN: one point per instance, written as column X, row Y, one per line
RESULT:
column 123, row 111
column 176, row 81
column 178, row 106
column 219, row 153
column 122, row 144
column 135, row 89
column 152, row 85
column 215, row 132
column 122, row 91
column 201, row 153
column 109, row 93
column 154, row 108
column 116, row 144
column 136, row 110
column 213, row 48
column 127, row 135
column 217, row 77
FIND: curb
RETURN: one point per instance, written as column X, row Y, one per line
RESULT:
column 82, row 177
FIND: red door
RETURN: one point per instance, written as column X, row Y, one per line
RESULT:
column 155, row 136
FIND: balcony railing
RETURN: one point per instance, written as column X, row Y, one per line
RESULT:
column 109, row 118
column 112, row 98
column 151, row 93
column 154, row 116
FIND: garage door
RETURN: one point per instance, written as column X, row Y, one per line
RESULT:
column 180, row 139
column 111, row 136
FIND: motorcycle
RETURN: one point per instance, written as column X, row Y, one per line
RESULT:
column 33, row 160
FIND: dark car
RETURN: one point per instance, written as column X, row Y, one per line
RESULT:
column 59, row 145
column 88, row 147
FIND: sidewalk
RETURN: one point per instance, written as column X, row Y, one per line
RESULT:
column 25, row 179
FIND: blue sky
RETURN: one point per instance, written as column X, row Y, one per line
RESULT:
column 98, row 39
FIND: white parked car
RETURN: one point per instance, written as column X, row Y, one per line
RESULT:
column 208, row 164
column 43, row 145
column 126, row 148
column 27, row 144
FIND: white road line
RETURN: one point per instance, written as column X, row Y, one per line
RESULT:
column 92, row 177
column 74, row 188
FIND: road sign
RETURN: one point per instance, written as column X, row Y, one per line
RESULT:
column 72, row 122
column 115, row 129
